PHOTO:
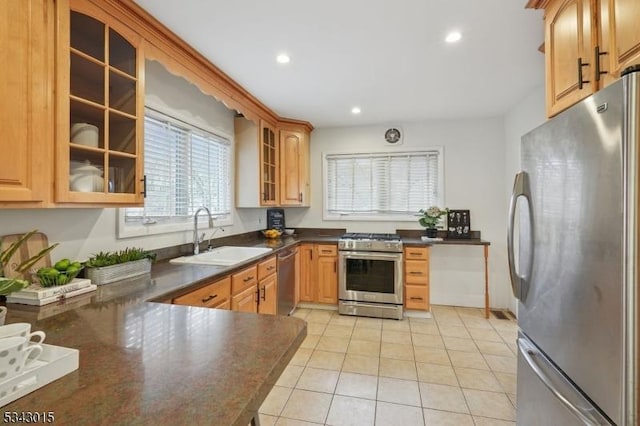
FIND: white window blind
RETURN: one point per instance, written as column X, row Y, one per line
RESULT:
column 382, row 184
column 186, row 168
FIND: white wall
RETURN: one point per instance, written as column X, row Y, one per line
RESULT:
column 474, row 159
column 82, row 232
column 523, row 117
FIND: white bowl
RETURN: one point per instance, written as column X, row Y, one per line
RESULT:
column 84, row 134
column 289, row 231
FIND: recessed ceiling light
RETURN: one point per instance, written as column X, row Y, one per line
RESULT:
column 453, row 36
column 283, row 58
column 355, row 110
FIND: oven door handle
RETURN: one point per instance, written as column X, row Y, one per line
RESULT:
column 369, row 255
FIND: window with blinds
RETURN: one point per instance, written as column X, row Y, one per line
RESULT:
column 186, row 168
column 391, row 186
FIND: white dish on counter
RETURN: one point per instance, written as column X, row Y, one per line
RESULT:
column 223, row 256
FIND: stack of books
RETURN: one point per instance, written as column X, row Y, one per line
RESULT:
column 37, row 295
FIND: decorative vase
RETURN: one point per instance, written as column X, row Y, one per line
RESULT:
column 431, row 232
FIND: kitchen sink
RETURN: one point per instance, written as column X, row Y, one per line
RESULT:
column 223, row 256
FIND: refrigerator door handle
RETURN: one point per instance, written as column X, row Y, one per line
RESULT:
column 519, row 283
column 529, row 352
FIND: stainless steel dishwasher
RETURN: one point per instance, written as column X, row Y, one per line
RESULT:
column 286, row 282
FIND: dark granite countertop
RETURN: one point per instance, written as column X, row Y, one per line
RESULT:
column 412, row 237
column 154, row 363
column 462, row 242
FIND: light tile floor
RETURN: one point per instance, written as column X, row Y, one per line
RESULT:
column 456, row 368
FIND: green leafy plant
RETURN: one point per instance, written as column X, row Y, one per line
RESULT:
column 129, row 254
column 431, row 216
column 9, row 285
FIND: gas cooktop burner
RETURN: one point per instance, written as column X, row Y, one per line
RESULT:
column 371, row 237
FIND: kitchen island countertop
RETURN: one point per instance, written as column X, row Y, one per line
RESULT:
column 154, row 363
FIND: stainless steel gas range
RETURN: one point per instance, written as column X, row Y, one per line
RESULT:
column 370, row 275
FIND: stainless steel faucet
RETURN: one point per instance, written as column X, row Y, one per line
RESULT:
column 196, row 239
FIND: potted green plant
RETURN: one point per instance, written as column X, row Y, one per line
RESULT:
column 429, row 219
column 107, row 267
column 9, row 285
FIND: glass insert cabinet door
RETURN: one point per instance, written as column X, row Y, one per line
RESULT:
column 99, row 136
column 268, row 165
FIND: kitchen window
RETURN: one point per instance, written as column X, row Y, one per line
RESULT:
column 186, row 167
column 382, row 186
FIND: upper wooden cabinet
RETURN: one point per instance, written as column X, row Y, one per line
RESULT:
column 26, row 84
column 257, row 158
column 272, row 168
column 619, row 37
column 99, row 108
column 569, row 57
column 294, row 168
column 588, row 43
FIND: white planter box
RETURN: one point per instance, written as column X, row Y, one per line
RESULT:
column 122, row 271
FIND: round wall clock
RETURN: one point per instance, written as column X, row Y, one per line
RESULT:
column 392, row 135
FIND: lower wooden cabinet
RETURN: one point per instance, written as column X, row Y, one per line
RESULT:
column 416, row 278
column 214, row 295
column 319, row 273
column 244, row 290
column 268, row 295
column 253, row 289
column 245, row 301
column 327, row 285
column 306, row 285
column 268, row 286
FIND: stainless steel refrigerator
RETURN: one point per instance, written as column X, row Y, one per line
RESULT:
column 573, row 256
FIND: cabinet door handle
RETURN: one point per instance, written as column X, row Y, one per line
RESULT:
column 264, row 293
column 598, row 53
column 211, row 297
column 335, row 266
column 415, row 273
column 581, row 82
column 300, row 197
column 264, row 196
column 246, row 280
column 271, row 268
column 415, row 253
column 415, row 298
column 144, row 186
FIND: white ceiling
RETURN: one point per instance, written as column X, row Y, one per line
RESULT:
column 387, row 57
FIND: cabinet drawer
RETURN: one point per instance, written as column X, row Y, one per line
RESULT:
column 416, row 272
column 266, row 268
column 244, row 279
column 327, row 250
column 210, row 295
column 416, row 297
column 416, row 253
